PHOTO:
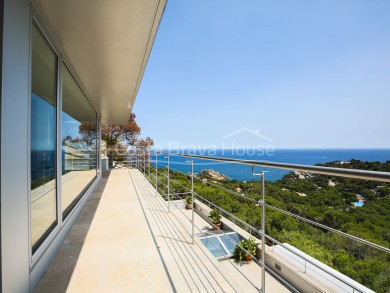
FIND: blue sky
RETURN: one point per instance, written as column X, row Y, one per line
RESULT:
column 305, row 74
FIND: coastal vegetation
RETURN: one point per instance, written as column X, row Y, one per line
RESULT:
column 328, row 200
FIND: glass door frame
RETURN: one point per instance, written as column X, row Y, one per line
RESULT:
column 37, row 19
column 34, row 257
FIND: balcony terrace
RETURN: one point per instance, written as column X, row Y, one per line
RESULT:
column 125, row 240
column 130, row 237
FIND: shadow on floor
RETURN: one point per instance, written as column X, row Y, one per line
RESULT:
column 58, row 274
column 188, row 269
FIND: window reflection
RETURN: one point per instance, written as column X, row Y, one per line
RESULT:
column 43, row 139
column 78, row 143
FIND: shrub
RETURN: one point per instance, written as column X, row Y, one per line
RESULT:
column 215, row 216
column 250, row 245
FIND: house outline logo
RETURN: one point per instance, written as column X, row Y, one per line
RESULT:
column 245, row 129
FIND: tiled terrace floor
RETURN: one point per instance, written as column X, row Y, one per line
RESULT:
column 126, row 241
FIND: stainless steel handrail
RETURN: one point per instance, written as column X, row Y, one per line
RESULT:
column 350, row 173
column 259, row 232
column 374, row 245
column 358, row 174
column 222, row 254
column 269, row 206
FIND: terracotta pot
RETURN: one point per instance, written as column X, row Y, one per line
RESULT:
column 248, row 257
column 189, row 207
column 216, row 226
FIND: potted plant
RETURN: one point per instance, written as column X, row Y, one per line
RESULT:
column 189, row 202
column 250, row 245
column 215, row 217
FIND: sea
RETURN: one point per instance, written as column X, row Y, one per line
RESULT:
column 244, row 172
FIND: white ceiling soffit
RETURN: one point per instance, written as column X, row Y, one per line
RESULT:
column 108, row 43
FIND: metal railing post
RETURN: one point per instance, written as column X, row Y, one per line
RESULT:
column 262, row 204
column 169, row 192
column 263, row 230
column 144, row 162
column 156, row 174
column 149, row 166
column 192, row 196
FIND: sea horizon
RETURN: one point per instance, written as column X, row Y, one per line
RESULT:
column 302, row 156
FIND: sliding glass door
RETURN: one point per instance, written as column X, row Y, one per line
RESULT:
column 43, row 139
column 61, row 101
column 79, row 142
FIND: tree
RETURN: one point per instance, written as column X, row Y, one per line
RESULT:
column 124, row 134
column 116, row 139
column 144, row 144
column 88, row 133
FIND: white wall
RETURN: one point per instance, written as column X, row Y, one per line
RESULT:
column 14, row 155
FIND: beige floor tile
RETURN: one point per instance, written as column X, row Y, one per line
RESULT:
column 125, row 241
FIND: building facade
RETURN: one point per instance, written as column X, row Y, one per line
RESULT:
column 66, row 67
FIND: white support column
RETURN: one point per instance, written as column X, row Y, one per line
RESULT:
column 15, row 155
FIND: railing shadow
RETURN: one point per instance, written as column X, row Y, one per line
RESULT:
column 194, row 271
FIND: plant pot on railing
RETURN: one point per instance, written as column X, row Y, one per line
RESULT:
column 249, row 245
column 248, row 257
column 189, row 203
column 215, row 217
column 217, row 226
